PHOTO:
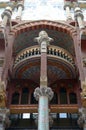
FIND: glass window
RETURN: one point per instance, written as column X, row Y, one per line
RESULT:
column 15, row 98
column 26, row 116
column 73, row 98
column 62, row 115
column 63, row 96
column 24, row 97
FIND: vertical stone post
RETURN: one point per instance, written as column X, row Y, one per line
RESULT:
column 79, row 17
column 6, row 16
column 20, row 7
column 67, row 7
column 44, row 93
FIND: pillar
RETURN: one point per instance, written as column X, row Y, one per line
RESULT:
column 44, row 93
column 6, row 16
column 79, row 17
column 20, row 7
column 67, row 7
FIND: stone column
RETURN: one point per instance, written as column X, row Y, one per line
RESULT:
column 6, row 16
column 79, row 17
column 44, row 93
column 20, row 7
column 67, row 7
column 4, row 120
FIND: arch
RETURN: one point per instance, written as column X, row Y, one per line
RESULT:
column 72, row 98
column 24, row 96
column 15, row 98
column 63, row 95
column 43, row 24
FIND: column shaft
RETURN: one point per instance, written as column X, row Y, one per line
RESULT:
column 19, row 11
column 80, row 22
column 4, row 22
column 68, row 14
column 43, row 113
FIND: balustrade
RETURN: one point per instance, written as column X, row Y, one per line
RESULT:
column 52, row 50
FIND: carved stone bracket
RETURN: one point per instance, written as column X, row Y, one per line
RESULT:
column 43, row 91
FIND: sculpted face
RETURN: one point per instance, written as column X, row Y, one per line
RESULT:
column 43, row 34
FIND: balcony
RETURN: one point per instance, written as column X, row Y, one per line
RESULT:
column 53, row 51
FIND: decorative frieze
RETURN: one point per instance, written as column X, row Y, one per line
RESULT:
column 43, row 91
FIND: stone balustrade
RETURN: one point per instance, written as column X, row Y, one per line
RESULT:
column 52, row 50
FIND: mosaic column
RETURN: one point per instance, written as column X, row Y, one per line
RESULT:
column 67, row 7
column 20, row 7
column 79, row 17
column 6, row 16
column 44, row 93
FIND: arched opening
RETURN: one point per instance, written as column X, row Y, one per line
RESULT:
column 33, row 100
column 54, row 99
column 73, row 98
column 24, row 97
column 63, row 96
column 15, row 98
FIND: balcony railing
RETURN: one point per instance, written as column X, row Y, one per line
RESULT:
column 34, row 51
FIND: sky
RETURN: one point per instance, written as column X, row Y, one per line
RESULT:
column 42, row 9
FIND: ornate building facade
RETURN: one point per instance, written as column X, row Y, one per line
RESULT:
column 43, row 70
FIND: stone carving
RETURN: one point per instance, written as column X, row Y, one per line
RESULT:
column 43, row 91
column 82, row 117
column 2, row 95
column 43, row 36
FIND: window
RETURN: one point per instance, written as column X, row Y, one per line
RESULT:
column 62, row 115
column 73, row 98
column 15, row 98
column 26, row 115
column 63, row 96
column 24, row 97
column 54, row 99
column 33, row 100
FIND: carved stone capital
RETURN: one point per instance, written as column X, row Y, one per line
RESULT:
column 43, row 91
column 20, row 5
column 43, row 37
column 7, row 12
column 77, row 13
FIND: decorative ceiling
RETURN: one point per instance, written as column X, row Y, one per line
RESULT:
column 61, row 39
column 56, row 69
